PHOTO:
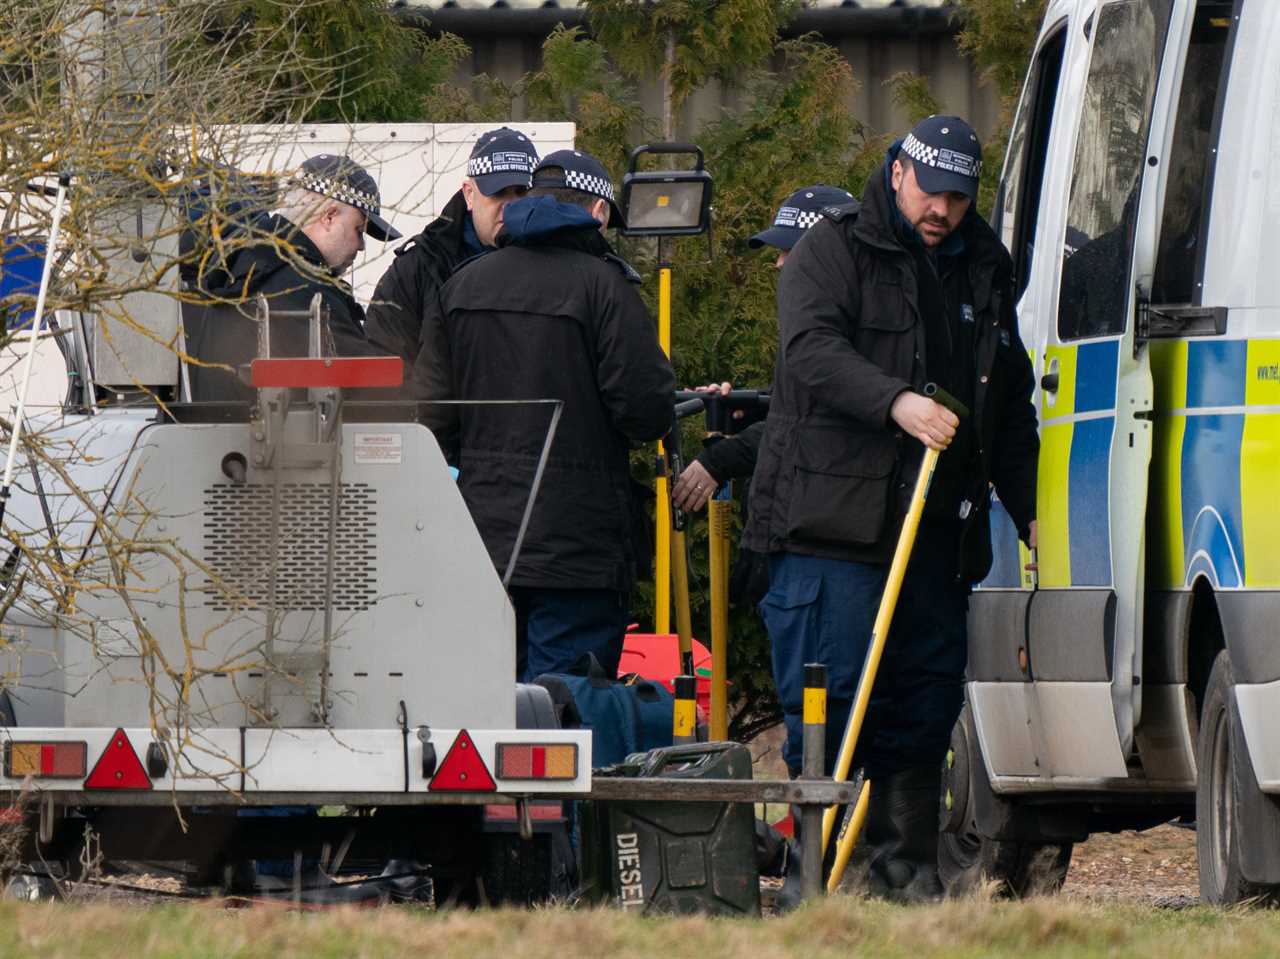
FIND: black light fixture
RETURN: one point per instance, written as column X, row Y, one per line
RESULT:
column 666, row 202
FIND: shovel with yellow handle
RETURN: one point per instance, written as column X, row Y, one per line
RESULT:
column 879, row 632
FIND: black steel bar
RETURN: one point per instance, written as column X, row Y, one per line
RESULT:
column 628, row 788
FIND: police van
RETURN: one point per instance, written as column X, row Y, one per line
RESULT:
column 1134, row 677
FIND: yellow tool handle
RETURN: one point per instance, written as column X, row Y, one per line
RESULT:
column 662, row 517
column 880, row 631
column 662, row 557
column 849, row 837
column 680, row 576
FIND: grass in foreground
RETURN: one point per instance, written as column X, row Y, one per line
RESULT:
column 839, row 927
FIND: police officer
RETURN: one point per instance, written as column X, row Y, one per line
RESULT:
column 553, row 313
column 876, row 301
column 287, row 256
column 499, row 170
column 734, row 457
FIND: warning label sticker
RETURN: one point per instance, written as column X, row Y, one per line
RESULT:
column 379, row 448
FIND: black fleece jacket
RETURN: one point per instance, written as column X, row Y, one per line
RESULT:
column 835, row 472
column 552, row 314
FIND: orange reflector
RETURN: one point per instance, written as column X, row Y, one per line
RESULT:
column 335, row 371
column 537, row 761
column 118, row 767
column 463, row 770
column 44, row 760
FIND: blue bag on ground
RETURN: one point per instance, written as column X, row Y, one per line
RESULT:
column 624, row 716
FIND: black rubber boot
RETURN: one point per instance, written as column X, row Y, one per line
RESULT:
column 902, row 836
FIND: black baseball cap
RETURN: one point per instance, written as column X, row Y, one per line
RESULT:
column 342, row 179
column 946, row 154
column 801, row 210
column 501, row 158
column 582, row 172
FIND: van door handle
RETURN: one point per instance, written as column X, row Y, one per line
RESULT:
column 1049, row 382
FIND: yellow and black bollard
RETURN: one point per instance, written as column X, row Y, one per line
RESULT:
column 813, row 761
column 684, row 719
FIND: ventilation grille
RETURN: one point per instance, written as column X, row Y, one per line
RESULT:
column 237, row 546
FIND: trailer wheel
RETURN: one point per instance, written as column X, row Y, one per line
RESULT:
column 966, row 858
column 1226, row 786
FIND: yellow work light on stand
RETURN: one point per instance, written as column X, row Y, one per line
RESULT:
column 665, row 204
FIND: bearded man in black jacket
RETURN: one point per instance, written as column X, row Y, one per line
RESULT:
column 553, row 313
column 908, row 288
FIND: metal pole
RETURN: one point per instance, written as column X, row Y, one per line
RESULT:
column 662, row 539
column 813, row 760
column 684, row 722
column 719, row 518
column 15, row 432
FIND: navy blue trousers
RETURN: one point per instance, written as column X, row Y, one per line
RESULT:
column 554, row 627
column 822, row 611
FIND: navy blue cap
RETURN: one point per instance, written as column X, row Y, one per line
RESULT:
column 343, row 179
column 801, row 210
column 946, row 154
column 582, row 172
column 501, row 158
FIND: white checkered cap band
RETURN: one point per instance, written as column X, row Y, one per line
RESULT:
column 338, row 190
column 796, row 219
column 502, row 162
column 589, row 183
column 930, row 156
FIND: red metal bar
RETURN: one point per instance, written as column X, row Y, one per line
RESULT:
column 342, row 372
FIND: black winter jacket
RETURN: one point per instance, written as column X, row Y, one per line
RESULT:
column 554, row 314
column 733, row 457
column 831, row 479
column 222, row 328
column 413, row 280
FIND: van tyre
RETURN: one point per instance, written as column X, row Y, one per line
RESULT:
column 1228, row 800
column 967, row 860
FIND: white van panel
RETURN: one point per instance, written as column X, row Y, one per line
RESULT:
column 1261, row 721
column 1245, row 205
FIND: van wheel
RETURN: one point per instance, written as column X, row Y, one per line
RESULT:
column 1226, row 781
column 966, row 858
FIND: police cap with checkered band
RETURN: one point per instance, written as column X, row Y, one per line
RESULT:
column 801, row 210
column 581, row 172
column 342, row 179
column 501, row 158
column 946, row 154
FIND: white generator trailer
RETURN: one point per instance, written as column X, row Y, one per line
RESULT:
column 280, row 604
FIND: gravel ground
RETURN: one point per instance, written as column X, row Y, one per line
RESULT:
column 1155, row 867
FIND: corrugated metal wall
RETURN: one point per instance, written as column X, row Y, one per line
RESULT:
column 879, row 38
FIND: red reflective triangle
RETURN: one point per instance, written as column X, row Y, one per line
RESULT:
column 463, row 769
column 118, row 767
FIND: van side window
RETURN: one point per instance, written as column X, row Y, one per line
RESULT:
column 1106, row 175
column 1018, row 203
column 1179, row 271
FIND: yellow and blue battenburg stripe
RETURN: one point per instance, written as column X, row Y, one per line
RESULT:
column 1073, row 499
column 1214, row 501
column 1216, row 468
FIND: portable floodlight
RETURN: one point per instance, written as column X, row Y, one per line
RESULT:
column 666, row 202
